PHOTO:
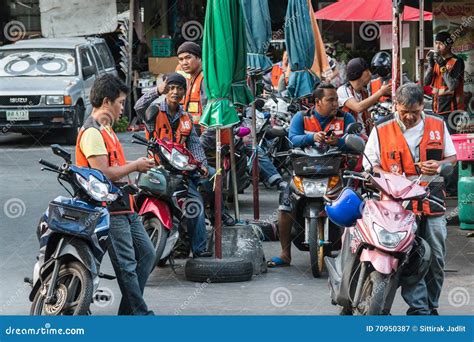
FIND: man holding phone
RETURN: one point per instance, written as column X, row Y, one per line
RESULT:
column 323, row 123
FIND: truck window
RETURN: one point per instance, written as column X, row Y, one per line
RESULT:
column 98, row 60
column 106, row 56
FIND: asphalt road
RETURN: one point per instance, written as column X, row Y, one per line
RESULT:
column 25, row 192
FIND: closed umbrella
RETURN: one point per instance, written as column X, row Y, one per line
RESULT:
column 259, row 32
column 299, row 39
column 224, row 69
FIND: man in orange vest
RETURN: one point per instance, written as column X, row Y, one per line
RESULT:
column 278, row 70
column 173, row 123
column 353, row 96
column 306, row 128
column 445, row 75
column 411, row 142
column 130, row 249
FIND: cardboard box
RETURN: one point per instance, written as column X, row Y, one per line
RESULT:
column 162, row 65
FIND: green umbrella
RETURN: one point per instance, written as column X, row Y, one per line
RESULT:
column 224, row 63
column 224, row 68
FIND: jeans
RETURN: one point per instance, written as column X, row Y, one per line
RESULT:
column 133, row 257
column 194, row 207
column 423, row 297
column 267, row 170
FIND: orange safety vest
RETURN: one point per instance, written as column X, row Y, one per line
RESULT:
column 116, row 158
column 375, row 85
column 192, row 99
column 366, row 119
column 277, row 71
column 163, row 128
column 312, row 124
column 445, row 101
column 395, row 155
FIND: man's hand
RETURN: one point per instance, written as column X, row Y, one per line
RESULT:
column 143, row 164
column 163, row 88
column 205, row 171
column 386, row 89
column 319, row 137
column 430, row 167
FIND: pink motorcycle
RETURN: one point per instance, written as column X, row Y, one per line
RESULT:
column 380, row 248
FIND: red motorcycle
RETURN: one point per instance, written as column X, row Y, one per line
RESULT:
column 162, row 199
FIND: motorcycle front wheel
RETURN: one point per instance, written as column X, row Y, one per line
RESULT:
column 316, row 249
column 72, row 294
column 372, row 299
column 158, row 235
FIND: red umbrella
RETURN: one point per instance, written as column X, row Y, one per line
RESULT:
column 367, row 10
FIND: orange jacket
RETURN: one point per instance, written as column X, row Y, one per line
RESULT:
column 163, row 128
column 445, row 101
column 277, row 71
column 375, row 85
column 395, row 155
column 192, row 99
column 116, row 158
column 311, row 124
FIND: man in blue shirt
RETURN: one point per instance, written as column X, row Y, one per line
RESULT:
column 306, row 128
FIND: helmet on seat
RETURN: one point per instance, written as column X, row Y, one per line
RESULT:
column 346, row 209
column 381, row 64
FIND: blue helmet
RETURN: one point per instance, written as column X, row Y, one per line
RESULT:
column 346, row 208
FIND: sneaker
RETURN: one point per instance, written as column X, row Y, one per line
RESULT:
column 227, row 220
column 204, row 254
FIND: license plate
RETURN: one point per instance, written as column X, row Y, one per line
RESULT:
column 17, row 115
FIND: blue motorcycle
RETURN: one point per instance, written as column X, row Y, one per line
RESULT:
column 72, row 234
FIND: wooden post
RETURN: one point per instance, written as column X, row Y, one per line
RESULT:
column 130, row 56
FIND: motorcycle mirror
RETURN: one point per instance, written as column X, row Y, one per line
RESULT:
column 354, row 143
column 354, row 128
column 243, row 131
column 59, row 151
column 445, row 169
column 277, row 132
column 150, row 116
column 292, row 108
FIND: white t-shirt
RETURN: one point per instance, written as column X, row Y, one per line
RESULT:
column 413, row 138
column 344, row 93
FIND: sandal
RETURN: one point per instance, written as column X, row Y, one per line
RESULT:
column 277, row 262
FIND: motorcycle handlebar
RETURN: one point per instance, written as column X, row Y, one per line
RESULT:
column 49, row 165
column 140, row 138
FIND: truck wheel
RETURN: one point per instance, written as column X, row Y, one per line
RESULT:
column 72, row 132
column 210, row 270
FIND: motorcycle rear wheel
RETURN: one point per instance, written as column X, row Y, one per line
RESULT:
column 158, row 235
column 316, row 250
column 73, row 292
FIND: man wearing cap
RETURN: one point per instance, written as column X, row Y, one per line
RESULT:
column 445, row 75
column 353, row 96
column 173, row 123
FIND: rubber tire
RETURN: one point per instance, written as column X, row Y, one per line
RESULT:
column 151, row 224
column 86, row 289
column 316, row 252
column 70, row 134
column 210, row 270
column 373, row 293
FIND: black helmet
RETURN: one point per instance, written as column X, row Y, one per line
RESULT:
column 381, row 64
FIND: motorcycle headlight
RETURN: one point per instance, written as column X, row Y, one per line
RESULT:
column 96, row 189
column 181, row 161
column 386, row 238
column 166, row 153
column 315, row 187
